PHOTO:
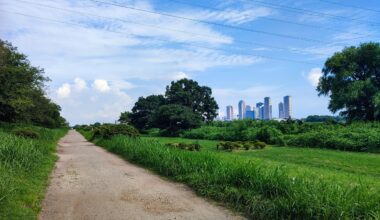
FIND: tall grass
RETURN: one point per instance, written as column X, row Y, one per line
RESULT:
column 260, row 191
column 25, row 165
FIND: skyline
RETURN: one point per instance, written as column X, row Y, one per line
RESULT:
column 100, row 65
column 260, row 110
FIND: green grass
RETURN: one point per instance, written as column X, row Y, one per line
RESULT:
column 319, row 160
column 263, row 187
column 25, row 166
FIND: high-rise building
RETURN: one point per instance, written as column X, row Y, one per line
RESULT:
column 267, row 108
column 230, row 113
column 241, row 110
column 281, row 110
column 260, row 110
column 287, row 107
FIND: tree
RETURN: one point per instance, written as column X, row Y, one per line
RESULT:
column 144, row 109
column 22, row 96
column 188, row 93
column 351, row 79
column 125, row 117
column 173, row 118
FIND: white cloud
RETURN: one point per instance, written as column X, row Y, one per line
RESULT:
column 101, row 85
column 179, row 75
column 79, row 84
column 88, row 105
column 64, row 91
column 314, row 75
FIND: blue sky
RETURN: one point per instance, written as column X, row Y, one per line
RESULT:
column 101, row 57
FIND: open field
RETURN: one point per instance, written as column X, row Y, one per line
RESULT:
column 358, row 164
column 270, row 183
column 25, row 165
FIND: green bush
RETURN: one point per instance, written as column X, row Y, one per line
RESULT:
column 26, row 133
column 109, row 130
column 185, row 146
column 260, row 145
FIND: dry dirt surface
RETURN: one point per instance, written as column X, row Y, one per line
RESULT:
column 90, row 183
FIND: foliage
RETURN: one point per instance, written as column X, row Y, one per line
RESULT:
column 351, row 80
column 109, row 130
column 185, row 105
column 26, row 133
column 25, row 166
column 22, row 97
column 173, row 118
column 261, row 190
column 324, row 118
column 357, row 136
column 195, row 146
column 187, row 92
column 238, row 145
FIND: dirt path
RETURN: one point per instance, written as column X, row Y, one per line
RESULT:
column 90, row 183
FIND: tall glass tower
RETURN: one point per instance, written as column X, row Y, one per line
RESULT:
column 230, row 113
column 241, row 110
column 267, row 108
column 287, row 107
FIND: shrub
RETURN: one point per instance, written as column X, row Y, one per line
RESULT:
column 184, row 146
column 269, row 135
column 107, row 131
column 260, row 145
column 26, row 133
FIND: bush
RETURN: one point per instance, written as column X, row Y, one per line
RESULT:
column 185, row 146
column 260, row 145
column 26, row 133
column 107, row 131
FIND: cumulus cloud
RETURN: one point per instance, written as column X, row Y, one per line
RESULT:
column 101, row 85
column 82, row 104
column 314, row 75
column 64, row 91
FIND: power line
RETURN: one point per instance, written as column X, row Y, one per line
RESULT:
column 212, row 23
column 350, row 6
column 166, row 41
column 313, row 13
column 169, row 29
column 267, row 18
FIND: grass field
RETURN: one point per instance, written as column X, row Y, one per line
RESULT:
column 363, row 165
column 25, row 165
column 274, row 183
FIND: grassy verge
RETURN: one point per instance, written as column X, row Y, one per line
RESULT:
column 25, row 166
column 261, row 190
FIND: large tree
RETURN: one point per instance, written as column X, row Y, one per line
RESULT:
column 351, row 78
column 143, row 110
column 173, row 118
column 22, row 96
column 189, row 93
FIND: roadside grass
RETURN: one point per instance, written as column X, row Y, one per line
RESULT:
column 259, row 187
column 25, row 166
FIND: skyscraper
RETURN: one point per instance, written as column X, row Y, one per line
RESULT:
column 267, row 108
column 281, row 110
column 241, row 110
column 287, row 107
column 230, row 113
column 260, row 110
column 249, row 114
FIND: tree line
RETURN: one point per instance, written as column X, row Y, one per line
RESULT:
column 22, row 91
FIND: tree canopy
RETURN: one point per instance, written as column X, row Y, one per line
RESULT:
column 188, row 93
column 185, row 105
column 351, row 78
column 22, row 96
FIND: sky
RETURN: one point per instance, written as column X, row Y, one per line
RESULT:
column 102, row 55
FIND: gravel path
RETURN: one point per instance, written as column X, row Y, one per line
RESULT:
column 90, row 183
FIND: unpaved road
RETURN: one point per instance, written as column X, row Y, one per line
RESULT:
column 90, row 183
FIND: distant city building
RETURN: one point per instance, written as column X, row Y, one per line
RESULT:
column 281, row 110
column 287, row 107
column 260, row 110
column 230, row 113
column 267, row 108
column 241, row 110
